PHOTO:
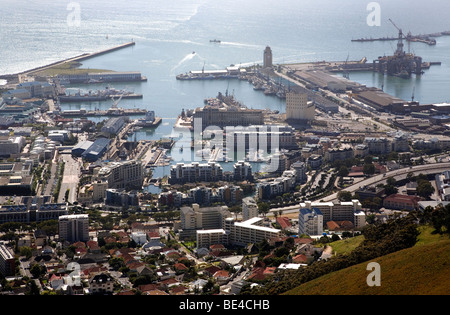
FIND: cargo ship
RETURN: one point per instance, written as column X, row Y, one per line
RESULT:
column 95, row 96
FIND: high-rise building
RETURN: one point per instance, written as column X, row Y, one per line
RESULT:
column 195, row 218
column 310, row 222
column 74, row 228
column 249, row 208
column 7, row 261
column 267, row 57
column 298, row 107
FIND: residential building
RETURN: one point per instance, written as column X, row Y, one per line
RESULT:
column 251, row 231
column 74, row 228
column 206, row 238
column 125, row 174
column 249, row 208
column 335, row 211
column 122, row 199
column 443, row 185
column 378, row 145
column 300, row 172
column 401, row 202
column 101, row 284
column 315, row 161
column 195, row 172
column 195, row 218
column 339, row 154
column 310, row 222
column 242, row 171
column 360, row 219
column 361, row 150
column 7, row 262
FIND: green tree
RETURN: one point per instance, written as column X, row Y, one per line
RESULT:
column 424, row 189
column 369, row 169
column 263, row 207
column 344, row 195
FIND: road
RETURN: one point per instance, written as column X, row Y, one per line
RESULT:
column 397, row 174
column 72, row 172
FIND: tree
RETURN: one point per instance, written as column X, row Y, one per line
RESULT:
column 343, row 171
column 344, row 195
column 369, row 169
column 425, row 189
column 263, row 208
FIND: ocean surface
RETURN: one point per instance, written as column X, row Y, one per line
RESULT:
column 173, row 37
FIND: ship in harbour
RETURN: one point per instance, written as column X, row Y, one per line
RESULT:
column 95, row 96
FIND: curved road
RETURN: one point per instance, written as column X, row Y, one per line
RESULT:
column 426, row 169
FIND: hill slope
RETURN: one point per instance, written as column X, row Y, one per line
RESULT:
column 422, row 269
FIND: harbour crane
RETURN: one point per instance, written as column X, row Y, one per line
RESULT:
column 400, row 45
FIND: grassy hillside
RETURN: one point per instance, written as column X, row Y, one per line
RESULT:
column 421, row 269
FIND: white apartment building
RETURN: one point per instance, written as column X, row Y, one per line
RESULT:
column 237, row 233
column 335, row 211
column 74, row 228
column 195, row 218
column 310, row 222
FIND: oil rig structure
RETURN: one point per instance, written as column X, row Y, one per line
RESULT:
column 401, row 64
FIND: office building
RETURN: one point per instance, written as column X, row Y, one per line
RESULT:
column 74, row 228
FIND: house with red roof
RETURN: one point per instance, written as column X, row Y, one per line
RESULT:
column 284, row 222
column 401, row 202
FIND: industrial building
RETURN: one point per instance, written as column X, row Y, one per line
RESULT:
column 96, row 150
column 298, row 107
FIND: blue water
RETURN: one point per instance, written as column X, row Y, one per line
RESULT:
column 172, row 37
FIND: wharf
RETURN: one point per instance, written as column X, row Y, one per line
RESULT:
column 78, row 58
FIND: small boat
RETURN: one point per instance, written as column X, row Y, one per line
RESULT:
column 193, row 52
column 214, row 41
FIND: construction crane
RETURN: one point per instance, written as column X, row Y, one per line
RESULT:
column 399, row 50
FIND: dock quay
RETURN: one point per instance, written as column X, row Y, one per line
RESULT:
column 78, row 58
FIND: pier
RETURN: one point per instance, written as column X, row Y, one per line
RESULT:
column 78, row 58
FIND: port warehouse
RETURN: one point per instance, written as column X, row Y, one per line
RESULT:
column 91, row 151
column 103, row 77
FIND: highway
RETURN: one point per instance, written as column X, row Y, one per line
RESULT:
column 400, row 174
